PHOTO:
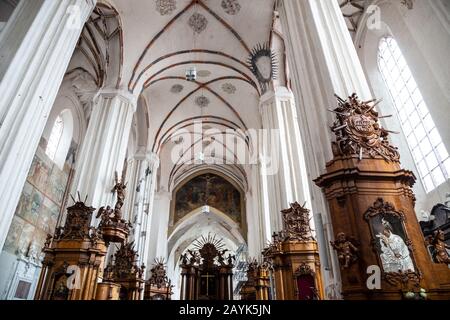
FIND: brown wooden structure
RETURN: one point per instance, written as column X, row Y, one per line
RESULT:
column 72, row 259
column 372, row 211
column 294, row 257
column 205, row 274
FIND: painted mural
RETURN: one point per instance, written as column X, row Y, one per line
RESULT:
column 211, row 190
column 39, row 205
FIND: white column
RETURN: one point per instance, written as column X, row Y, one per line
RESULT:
column 323, row 61
column 35, row 49
column 105, row 147
column 145, row 215
column 289, row 183
column 159, row 226
column 258, row 223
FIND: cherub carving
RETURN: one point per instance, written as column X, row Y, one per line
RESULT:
column 346, row 250
column 437, row 241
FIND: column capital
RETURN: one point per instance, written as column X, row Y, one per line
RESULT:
column 123, row 95
column 280, row 93
column 151, row 157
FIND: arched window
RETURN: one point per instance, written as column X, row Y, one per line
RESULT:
column 55, row 138
column 60, row 138
column 429, row 152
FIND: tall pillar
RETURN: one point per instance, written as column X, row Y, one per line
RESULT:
column 143, row 238
column 35, row 49
column 258, row 233
column 159, row 226
column 289, row 182
column 136, row 179
column 104, row 149
column 323, row 61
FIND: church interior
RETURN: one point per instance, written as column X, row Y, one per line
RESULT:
column 224, row 150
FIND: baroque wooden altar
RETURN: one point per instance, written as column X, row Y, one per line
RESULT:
column 72, row 259
column 159, row 286
column 258, row 282
column 294, row 258
column 125, row 272
column 372, row 210
column 205, row 273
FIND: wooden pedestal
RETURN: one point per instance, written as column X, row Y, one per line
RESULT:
column 107, row 291
column 131, row 289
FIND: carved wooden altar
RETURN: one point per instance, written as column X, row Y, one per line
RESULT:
column 125, row 272
column 294, row 257
column 206, row 274
column 159, row 286
column 72, row 258
column 372, row 211
column 258, row 282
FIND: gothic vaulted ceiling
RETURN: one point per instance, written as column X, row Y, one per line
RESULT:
column 164, row 38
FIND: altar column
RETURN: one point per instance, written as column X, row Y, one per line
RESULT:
column 104, row 149
column 323, row 61
column 36, row 46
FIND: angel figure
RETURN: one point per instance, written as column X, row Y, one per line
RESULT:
column 441, row 254
column 104, row 215
column 346, row 250
column 119, row 188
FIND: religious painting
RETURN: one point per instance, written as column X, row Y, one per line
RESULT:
column 390, row 238
column 48, row 216
column 24, row 204
column 57, row 186
column 60, row 289
column 26, row 238
column 306, row 287
column 12, row 239
column 38, row 173
column 32, row 210
column 208, row 190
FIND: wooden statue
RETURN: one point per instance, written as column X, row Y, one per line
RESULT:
column 372, row 211
column 113, row 227
column 346, row 250
column 440, row 247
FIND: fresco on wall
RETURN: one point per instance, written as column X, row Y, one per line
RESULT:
column 39, row 205
column 211, row 190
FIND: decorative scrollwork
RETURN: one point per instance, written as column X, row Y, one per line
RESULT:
column 297, row 223
column 358, row 131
